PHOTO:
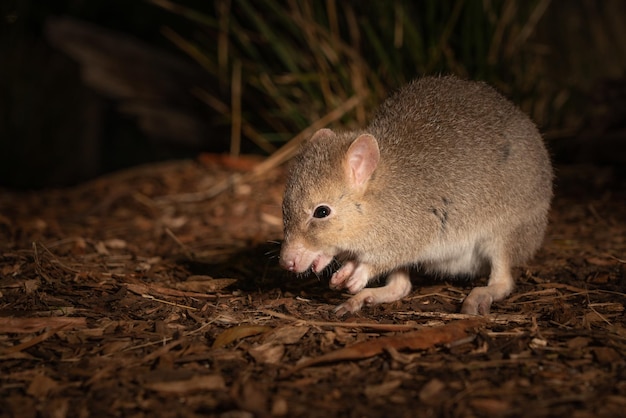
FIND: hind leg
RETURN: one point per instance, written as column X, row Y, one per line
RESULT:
column 509, row 249
column 499, row 286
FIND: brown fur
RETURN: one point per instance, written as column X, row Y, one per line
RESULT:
column 462, row 186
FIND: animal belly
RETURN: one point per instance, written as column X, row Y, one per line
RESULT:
column 459, row 258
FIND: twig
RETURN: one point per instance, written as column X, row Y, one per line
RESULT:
column 495, row 318
column 277, row 158
column 139, row 346
column 235, row 126
column 590, row 305
column 166, row 302
column 188, row 252
column 53, row 260
column 530, row 25
column 223, row 108
column 501, row 319
column 371, row 325
column 34, row 341
column 434, row 294
column 549, row 291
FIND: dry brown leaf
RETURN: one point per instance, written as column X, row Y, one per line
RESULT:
column 269, row 353
column 592, row 318
column 383, row 390
column 286, row 335
column 599, row 261
column 196, row 383
column 251, row 397
column 490, row 407
column 204, row 284
column 41, row 386
column 237, row 333
column 101, row 248
column 114, row 346
column 431, row 389
column 578, row 342
column 91, row 332
column 600, row 278
column 280, row 407
column 10, row 269
column 415, row 340
column 31, row 286
column 151, row 289
column 116, row 244
column 28, row 325
column 607, row 307
column 225, row 354
column 606, row 355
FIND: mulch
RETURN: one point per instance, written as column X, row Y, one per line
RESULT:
column 147, row 293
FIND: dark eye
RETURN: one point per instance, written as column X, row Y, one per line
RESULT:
column 321, row 211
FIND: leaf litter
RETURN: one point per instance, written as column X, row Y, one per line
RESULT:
column 122, row 296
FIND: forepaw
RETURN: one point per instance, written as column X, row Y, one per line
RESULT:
column 351, row 276
column 398, row 286
column 339, row 278
column 355, row 303
column 478, row 302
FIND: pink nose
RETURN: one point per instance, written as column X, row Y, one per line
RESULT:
column 288, row 264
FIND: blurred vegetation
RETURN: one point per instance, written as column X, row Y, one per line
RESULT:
column 272, row 70
column 282, row 64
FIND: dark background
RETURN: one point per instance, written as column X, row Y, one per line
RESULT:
column 59, row 127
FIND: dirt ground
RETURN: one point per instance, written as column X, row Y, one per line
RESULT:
column 139, row 294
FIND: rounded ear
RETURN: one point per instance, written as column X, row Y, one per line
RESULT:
column 361, row 160
column 322, row 133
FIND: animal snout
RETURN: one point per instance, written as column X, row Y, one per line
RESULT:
column 287, row 264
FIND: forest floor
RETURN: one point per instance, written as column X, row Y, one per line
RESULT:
column 139, row 294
